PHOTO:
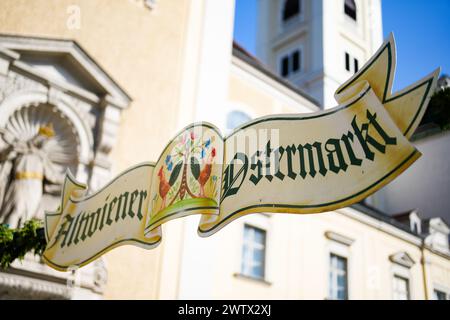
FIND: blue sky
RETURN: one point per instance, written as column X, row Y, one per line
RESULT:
column 421, row 29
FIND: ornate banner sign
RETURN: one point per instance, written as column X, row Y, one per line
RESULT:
column 303, row 163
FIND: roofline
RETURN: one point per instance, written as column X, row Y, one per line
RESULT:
column 379, row 215
column 245, row 56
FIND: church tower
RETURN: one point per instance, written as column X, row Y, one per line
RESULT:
column 318, row 44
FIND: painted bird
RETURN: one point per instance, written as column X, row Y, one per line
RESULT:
column 206, row 173
column 164, row 187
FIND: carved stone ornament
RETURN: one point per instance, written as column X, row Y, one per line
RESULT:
column 403, row 259
column 58, row 110
column 37, row 145
column 30, row 279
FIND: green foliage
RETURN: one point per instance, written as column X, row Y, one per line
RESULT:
column 438, row 111
column 195, row 167
column 15, row 243
column 175, row 173
column 193, row 185
column 174, row 189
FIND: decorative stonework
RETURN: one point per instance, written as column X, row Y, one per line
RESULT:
column 85, row 121
column 15, row 82
column 17, row 287
column 100, row 276
column 339, row 238
column 403, row 259
column 95, row 114
column 26, row 121
column 38, row 144
column 106, row 137
column 31, row 279
column 438, row 233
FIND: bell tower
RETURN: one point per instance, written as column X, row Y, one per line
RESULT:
column 318, row 44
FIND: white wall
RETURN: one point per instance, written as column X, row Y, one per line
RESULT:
column 425, row 185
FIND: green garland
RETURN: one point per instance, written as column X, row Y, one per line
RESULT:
column 15, row 243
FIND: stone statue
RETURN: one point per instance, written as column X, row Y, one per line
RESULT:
column 25, row 168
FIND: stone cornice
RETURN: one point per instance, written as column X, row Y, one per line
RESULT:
column 72, row 49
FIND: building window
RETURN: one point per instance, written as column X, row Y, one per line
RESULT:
column 338, row 283
column 401, row 288
column 285, row 66
column 348, row 66
column 347, row 62
column 296, row 61
column 439, row 295
column 356, row 64
column 350, row 8
column 291, row 63
column 254, row 252
column 291, row 9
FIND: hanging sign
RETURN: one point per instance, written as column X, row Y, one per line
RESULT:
column 301, row 163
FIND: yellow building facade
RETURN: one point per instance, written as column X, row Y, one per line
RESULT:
column 129, row 74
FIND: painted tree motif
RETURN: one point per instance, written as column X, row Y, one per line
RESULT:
column 192, row 157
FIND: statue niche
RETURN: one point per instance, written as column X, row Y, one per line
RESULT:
column 37, row 145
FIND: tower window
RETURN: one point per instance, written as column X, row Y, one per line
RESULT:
column 350, row 8
column 291, row 9
column 285, row 66
column 347, row 61
column 291, row 63
column 348, row 65
column 296, row 61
